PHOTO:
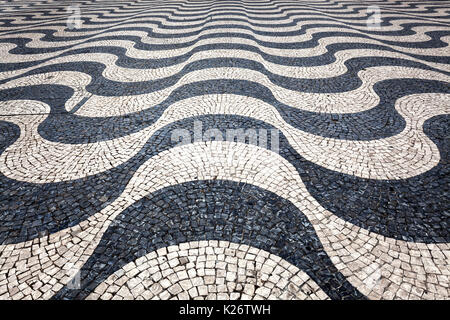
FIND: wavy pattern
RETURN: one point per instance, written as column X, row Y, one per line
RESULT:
column 294, row 284
column 230, row 213
column 414, row 108
column 421, row 230
column 115, row 158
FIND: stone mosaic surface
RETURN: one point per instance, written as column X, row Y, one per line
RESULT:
column 224, row 149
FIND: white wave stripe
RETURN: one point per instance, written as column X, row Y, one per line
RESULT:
column 170, row 20
column 117, row 6
column 75, row 80
column 419, row 35
column 57, row 15
column 330, row 6
column 108, row 21
column 171, row 34
column 360, row 99
column 327, row 6
column 235, row 162
column 417, row 11
column 145, row 271
column 55, row 161
column 401, row 156
column 46, row 10
column 174, row 15
column 36, row 16
column 132, row 52
column 291, row 13
column 120, row 74
column 177, row 7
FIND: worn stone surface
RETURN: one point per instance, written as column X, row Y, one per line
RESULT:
column 211, row 150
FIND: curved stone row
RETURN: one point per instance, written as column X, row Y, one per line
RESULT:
column 338, row 68
column 364, row 98
column 418, row 221
column 165, row 23
column 403, row 32
column 354, row 251
column 226, row 211
column 142, row 48
column 414, row 152
column 208, row 270
column 366, row 125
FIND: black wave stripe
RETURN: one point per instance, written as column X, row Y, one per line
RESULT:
column 103, row 13
column 125, row 6
column 406, row 31
column 414, row 209
column 308, row 15
column 247, row 9
column 116, row 5
column 212, row 210
column 29, row 210
column 294, row 16
column 9, row 133
column 328, row 5
column 379, row 122
column 111, row 15
column 335, row 5
column 129, row 62
column 404, row 5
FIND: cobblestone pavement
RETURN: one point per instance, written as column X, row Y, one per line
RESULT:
column 224, row 149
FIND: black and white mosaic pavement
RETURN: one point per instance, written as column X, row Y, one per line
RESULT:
column 224, row 149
